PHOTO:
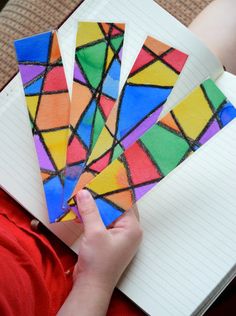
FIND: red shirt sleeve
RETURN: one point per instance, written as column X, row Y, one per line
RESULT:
column 32, row 272
column 22, row 288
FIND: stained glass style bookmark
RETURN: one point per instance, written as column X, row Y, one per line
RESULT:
column 170, row 141
column 98, row 57
column 48, row 105
column 147, row 88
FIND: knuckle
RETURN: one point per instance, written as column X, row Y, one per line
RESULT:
column 96, row 234
column 136, row 233
column 139, row 232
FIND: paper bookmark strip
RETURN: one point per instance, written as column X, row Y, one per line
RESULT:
column 95, row 89
column 149, row 83
column 48, row 105
column 169, row 142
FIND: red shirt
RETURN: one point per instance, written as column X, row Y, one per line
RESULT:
column 34, row 267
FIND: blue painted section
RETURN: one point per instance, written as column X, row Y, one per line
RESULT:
column 227, row 113
column 54, row 194
column 72, row 176
column 108, row 212
column 111, row 83
column 34, row 48
column 34, row 88
column 85, row 126
column 138, row 102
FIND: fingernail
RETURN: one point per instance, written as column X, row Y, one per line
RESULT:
column 83, row 196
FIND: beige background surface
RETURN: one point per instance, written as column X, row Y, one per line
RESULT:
column 20, row 18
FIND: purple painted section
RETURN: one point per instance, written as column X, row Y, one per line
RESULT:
column 29, row 72
column 212, row 130
column 120, row 53
column 142, row 128
column 44, row 161
column 72, row 175
column 139, row 192
column 78, row 74
column 74, row 209
column 72, row 172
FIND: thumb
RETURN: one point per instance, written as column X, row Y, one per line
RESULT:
column 89, row 212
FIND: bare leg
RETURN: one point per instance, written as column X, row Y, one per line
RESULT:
column 216, row 27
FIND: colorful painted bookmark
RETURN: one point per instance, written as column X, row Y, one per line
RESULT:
column 48, row 104
column 97, row 68
column 169, row 142
column 149, row 83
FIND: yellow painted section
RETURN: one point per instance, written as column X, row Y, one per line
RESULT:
column 32, row 103
column 71, row 202
column 105, row 140
column 68, row 217
column 193, row 113
column 56, row 142
column 112, row 178
column 155, row 74
column 103, row 143
column 69, row 133
column 110, row 55
column 88, row 32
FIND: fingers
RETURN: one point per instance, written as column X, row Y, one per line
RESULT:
column 89, row 212
column 130, row 226
column 129, row 219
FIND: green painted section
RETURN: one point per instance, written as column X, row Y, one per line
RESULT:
column 116, row 42
column 92, row 59
column 166, row 148
column 215, row 96
column 97, row 127
column 117, row 152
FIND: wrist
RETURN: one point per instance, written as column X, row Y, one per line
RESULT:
column 86, row 299
column 92, row 281
column 90, row 298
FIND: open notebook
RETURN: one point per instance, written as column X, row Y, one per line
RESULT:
column 188, row 253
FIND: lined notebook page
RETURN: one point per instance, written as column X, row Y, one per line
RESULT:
column 189, row 237
column 227, row 83
column 189, row 222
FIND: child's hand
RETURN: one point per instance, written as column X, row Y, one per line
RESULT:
column 103, row 256
column 104, row 253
